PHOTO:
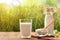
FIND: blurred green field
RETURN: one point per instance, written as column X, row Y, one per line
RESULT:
column 9, row 17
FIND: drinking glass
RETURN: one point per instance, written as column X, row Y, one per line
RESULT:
column 25, row 28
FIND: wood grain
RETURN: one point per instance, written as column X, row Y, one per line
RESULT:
column 16, row 36
column 12, row 36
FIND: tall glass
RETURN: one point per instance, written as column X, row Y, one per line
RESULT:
column 25, row 28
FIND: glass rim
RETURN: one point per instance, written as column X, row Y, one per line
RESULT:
column 25, row 19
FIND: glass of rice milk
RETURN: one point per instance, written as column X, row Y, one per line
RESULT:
column 25, row 28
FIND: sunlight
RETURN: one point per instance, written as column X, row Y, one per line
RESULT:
column 12, row 2
column 23, row 2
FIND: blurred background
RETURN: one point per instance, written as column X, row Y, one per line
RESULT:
column 13, row 10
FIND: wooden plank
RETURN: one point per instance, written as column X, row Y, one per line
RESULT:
column 16, row 36
column 12, row 36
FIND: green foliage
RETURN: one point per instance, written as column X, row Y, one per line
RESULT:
column 9, row 17
column 57, row 34
column 57, row 19
column 51, row 2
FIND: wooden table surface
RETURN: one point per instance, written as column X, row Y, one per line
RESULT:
column 14, row 36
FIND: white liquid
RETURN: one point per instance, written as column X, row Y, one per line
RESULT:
column 25, row 29
column 48, row 19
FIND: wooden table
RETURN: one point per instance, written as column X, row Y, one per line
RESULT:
column 15, row 36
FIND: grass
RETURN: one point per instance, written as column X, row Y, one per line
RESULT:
column 9, row 17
